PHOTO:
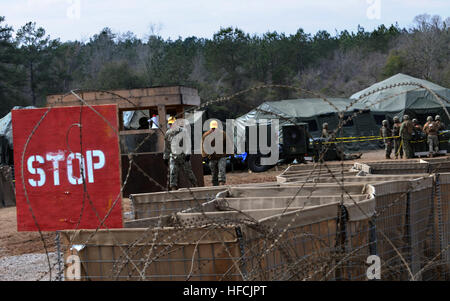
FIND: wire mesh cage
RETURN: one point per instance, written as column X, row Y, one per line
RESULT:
column 314, row 231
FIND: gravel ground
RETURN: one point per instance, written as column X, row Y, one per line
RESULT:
column 27, row 267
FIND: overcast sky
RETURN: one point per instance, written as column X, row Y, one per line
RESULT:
column 80, row 19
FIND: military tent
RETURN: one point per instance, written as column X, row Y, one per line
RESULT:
column 403, row 94
column 314, row 112
column 6, row 137
column 398, row 95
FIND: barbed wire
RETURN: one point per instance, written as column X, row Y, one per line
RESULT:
column 267, row 233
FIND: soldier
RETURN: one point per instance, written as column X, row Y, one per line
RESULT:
column 417, row 130
column 217, row 162
column 406, row 130
column 429, row 120
column 417, row 127
column 143, row 123
column 386, row 133
column 177, row 160
column 325, row 133
column 431, row 128
column 441, row 125
column 330, row 136
column 396, row 132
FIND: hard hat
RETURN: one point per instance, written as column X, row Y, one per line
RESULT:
column 415, row 120
column 405, row 117
column 429, row 118
column 437, row 117
column 396, row 118
column 171, row 120
column 325, row 124
column 385, row 122
column 213, row 125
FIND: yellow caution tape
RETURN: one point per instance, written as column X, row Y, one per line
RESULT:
column 376, row 137
column 351, row 141
column 372, row 139
column 363, row 137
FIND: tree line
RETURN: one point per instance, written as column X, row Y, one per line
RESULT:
column 33, row 65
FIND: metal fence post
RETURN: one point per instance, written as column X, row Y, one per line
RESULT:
column 241, row 246
column 444, row 255
column 59, row 275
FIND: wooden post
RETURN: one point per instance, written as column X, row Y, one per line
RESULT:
column 162, row 118
column 162, row 123
column 121, row 127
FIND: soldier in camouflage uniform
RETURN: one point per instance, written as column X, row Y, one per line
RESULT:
column 330, row 136
column 406, row 130
column 417, row 127
column 217, row 162
column 396, row 132
column 177, row 161
column 386, row 132
column 431, row 128
column 440, row 124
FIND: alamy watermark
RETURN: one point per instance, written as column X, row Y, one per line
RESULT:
column 73, row 268
column 373, row 12
column 72, row 8
column 374, row 270
column 261, row 138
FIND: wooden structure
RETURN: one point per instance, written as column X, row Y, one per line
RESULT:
column 146, row 146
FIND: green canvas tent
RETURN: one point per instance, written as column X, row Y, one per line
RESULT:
column 398, row 95
column 314, row 112
column 405, row 95
column 6, row 137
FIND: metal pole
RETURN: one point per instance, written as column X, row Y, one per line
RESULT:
column 58, row 253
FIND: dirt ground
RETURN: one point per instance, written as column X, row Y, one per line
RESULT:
column 19, row 243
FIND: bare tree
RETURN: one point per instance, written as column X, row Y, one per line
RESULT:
column 426, row 47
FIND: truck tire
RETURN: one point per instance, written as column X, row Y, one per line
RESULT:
column 254, row 164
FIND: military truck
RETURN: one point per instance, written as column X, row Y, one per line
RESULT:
column 294, row 144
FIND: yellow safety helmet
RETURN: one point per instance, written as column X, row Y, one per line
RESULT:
column 213, row 125
column 171, row 120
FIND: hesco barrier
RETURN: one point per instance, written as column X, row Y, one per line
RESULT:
column 228, row 207
column 155, row 254
column 291, row 231
column 404, row 226
column 308, row 173
column 164, row 203
column 441, row 222
column 367, row 178
column 405, row 167
column 230, row 245
column 154, row 204
column 301, row 239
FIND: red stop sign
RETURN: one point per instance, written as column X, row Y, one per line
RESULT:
column 67, row 168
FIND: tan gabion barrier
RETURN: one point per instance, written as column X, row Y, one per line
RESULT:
column 261, row 244
column 322, row 230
